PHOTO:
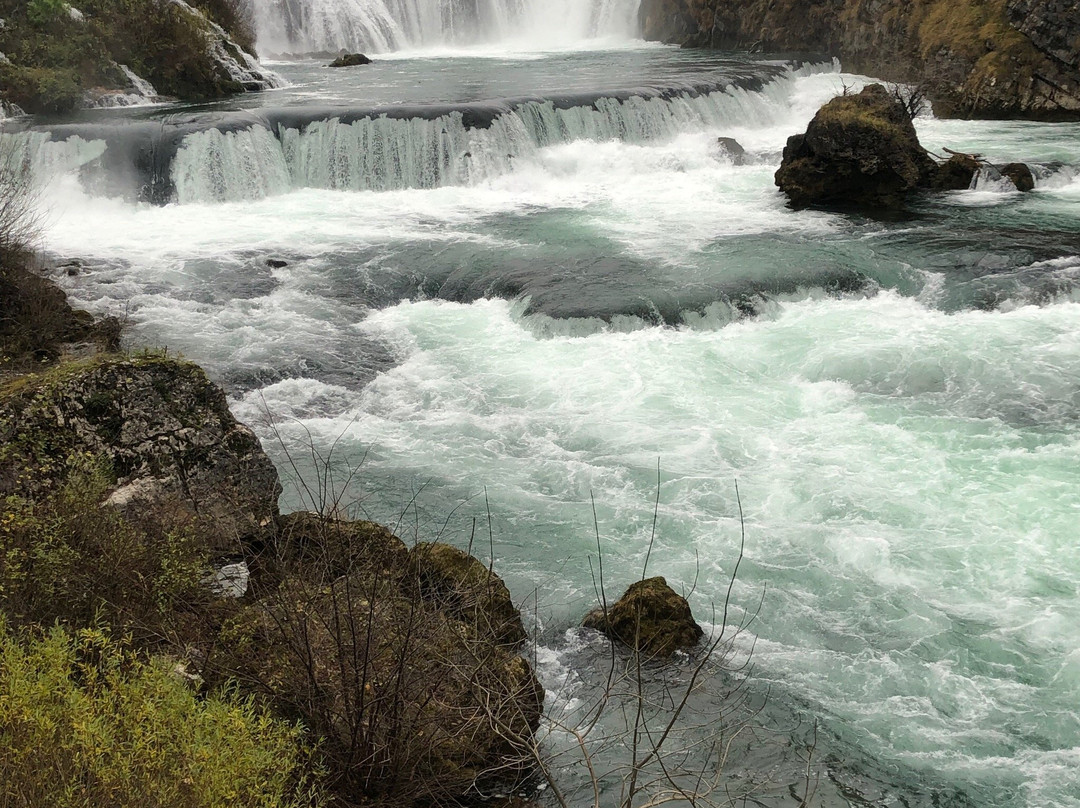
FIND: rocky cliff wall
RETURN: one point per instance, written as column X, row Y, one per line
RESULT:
column 974, row 58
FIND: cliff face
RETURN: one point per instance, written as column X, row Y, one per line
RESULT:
column 974, row 58
column 57, row 56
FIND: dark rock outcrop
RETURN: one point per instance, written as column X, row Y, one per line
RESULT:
column 350, row 60
column 166, row 429
column 37, row 324
column 993, row 59
column 858, row 151
column 651, row 617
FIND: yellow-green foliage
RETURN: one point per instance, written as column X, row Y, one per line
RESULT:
column 65, row 556
column 965, row 27
column 85, row 722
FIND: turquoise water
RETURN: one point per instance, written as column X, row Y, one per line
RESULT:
column 898, row 400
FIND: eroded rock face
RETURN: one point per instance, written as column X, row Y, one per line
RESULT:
column 858, row 151
column 1008, row 58
column 164, row 426
column 651, row 617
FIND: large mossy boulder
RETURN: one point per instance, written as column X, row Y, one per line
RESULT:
column 329, row 548
column 859, row 151
column 454, row 581
column 415, row 696
column 650, row 617
column 57, row 60
column 165, row 428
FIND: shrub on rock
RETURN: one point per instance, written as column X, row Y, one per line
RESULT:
column 859, row 150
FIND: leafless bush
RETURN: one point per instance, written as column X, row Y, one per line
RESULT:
column 913, row 98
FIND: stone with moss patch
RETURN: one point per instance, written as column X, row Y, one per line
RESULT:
column 858, row 151
column 650, row 617
column 166, row 429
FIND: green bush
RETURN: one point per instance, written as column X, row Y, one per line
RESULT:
column 85, row 722
column 42, row 12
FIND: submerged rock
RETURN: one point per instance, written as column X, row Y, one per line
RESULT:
column 858, row 151
column 350, row 60
column 651, row 617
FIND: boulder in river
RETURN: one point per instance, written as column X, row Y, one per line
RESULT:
column 350, row 60
column 1020, row 176
column 957, row 173
column 860, row 150
column 651, row 617
column 731, row 149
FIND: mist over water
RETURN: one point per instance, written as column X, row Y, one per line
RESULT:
column 524, row 276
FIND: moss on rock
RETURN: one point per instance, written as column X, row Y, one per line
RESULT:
column 650, row 617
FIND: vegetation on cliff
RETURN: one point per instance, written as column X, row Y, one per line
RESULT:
column 58, row 55
column 976, row 58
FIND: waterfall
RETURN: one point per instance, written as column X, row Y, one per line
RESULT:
column 388, row 25
column 449, row 146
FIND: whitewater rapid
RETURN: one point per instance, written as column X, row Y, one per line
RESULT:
column 898, row 400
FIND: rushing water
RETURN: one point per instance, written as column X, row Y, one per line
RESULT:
column 514, row 282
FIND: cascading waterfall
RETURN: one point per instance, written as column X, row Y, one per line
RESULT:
column 388, row 25
column 385, row 153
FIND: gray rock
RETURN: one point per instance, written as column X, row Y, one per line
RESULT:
column 731, row 149
column 167, row 430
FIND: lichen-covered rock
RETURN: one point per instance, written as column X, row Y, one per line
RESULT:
column 454, row 581
column 651, row 617
column 166, row 429
column 858, row 151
